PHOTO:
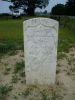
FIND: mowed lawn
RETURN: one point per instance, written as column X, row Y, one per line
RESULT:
column 12, row 31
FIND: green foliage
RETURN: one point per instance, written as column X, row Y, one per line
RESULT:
column 66, row 39
column 67, row 9
column 49, row 96
column 58, row 9
column 27, row 92
column 11, row 31
column 14, row 79
column 44, row 95
column 70, row 7
column 4, row 90
column 61, row 55
column 29, row 5
column 12, row 38
column 19, row 67
column 11, row 35
column 6, row 47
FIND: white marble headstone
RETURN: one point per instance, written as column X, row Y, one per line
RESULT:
column 40, row 49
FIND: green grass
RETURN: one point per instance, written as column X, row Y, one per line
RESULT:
column 11, row 33
column 66, row 39
column 14, row 78
column 27, row 92
column 44, row 96
column 19, row 67
column 66, row 34
column 11, row 30
column 4, row 91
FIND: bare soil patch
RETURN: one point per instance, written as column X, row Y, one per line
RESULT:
column 65, row 80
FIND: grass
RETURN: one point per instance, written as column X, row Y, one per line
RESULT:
column 4, row 91
column 14, row 78
column 11, row 30
column 27, row 92
column 19, row 67
column 13, row 52
column 61, row 55
column 66, row 40
column 5, row 47
column 11, row 35
column 44, row 96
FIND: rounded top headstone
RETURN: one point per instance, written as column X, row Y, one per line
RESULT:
column 47, row 22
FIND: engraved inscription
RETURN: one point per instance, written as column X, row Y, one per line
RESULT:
column 40, row 46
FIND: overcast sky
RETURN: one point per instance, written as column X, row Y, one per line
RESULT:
column 4, row 6
column 53, row 3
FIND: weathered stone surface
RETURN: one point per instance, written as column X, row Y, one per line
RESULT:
column 40, row 46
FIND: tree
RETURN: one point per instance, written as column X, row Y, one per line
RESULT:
column 11, row 8
column 58, row 9
column 29, row 6
column 70, row 7
column 45, row 12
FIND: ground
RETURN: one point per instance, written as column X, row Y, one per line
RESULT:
column 12, row 68
column 12, row 75
column 66, row 74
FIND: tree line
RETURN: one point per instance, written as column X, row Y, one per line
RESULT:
column 29, row 7
column 67, row 9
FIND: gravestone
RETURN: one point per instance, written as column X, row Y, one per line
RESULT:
column 40, row 50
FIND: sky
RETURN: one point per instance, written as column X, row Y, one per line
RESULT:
column 4, row 6
column 52, row 3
